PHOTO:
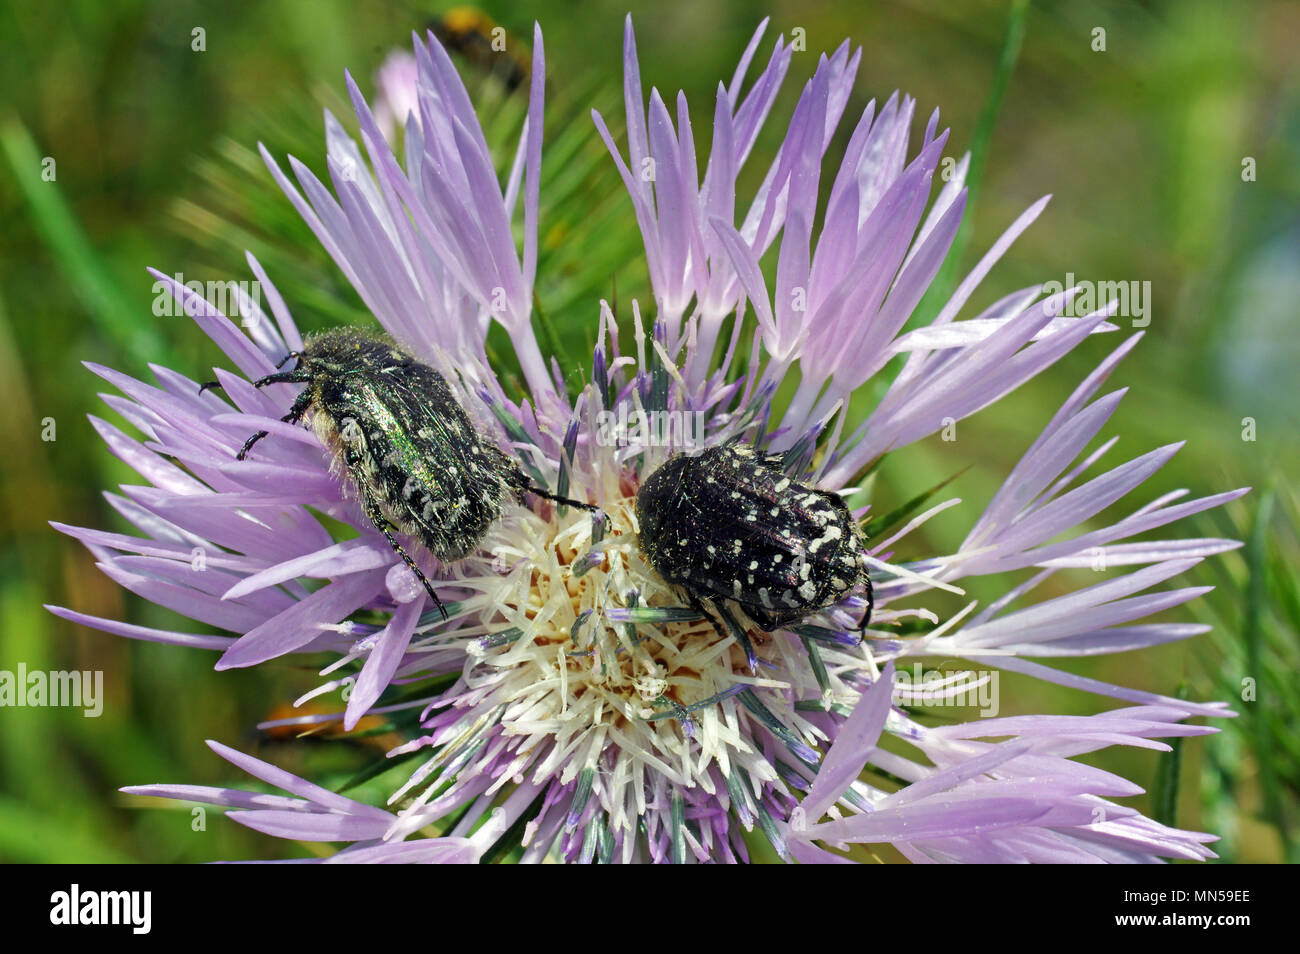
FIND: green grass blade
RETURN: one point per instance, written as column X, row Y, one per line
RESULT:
column 942, row 286
column 106, row 304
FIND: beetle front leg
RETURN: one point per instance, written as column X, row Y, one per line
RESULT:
column 299, row 408
column 298, row 376
column 568, row 501
column 524, row 484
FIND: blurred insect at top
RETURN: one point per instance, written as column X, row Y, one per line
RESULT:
column 484, row 44
column 497, row 57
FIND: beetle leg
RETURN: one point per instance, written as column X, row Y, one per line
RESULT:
column 523, row 484
column 871, row 594
column 299, row 408
column 567, row 501
column 376, row 516
column 871, row 605
column 697, row 604
column 297, row 376
column 210, row 385
column 765, row 620
column 741, row 633
column 383, row 526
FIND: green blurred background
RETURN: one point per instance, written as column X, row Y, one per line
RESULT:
column 1143, row 145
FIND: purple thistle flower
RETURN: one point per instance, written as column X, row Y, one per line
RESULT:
column 569, row 691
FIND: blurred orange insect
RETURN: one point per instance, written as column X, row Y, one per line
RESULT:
column 287, row 722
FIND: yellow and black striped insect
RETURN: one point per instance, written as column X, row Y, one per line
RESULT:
column 485, row 44
column 729, row 524
column 410, row 452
